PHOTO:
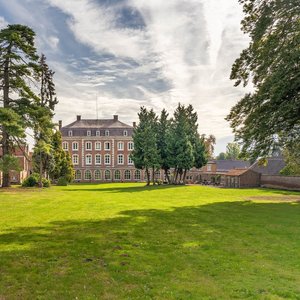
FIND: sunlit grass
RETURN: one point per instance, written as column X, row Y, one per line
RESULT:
column 128, row 241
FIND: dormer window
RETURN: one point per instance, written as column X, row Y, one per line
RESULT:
column 88, row 133
column 106, row 132
column 70, row 133
column 97, row 133
column 208, row 168
column 125, row 133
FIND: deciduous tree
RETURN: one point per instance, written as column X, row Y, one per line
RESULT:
column 270, row 115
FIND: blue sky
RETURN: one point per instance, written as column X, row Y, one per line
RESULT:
column 128, row 53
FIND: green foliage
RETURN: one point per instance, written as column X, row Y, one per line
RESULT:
column 292, row 159
column 186, row 147
column 9, row 163
column 270, row 115
column 62, row 166
column 221, row 156
column 21, row 108
column 233, row 151
column 31, row 181
column 62, row 181
column 163, row 143
column 146, row 154
column 163, row 140
column 46, row 182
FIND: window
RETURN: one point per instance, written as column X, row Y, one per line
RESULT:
column 97, row 133
column 75, row 159
column 107, row 146
column 75, row 146
column 77, row 175
column 208, row 168
column 137, row 175
column 130, row 146
column 106, row 132
column 120, row 159
column 117, row 175
column 130, row 161
column 88, row 146
column 97, row 175
column 65, row 145
column 88, row 159
column 98, row 146
column 127, row 175
column 157, row 175
column 107, row 175
column 88, row 133
column 70, row 133
column 107, row 159
column 120, row 146
column 98, row 159
column 125, row 133
column 87, row 175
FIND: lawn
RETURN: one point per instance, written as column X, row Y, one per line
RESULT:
column 126, row 241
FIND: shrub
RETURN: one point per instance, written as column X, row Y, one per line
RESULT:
column 62, row 181
column 31, row 181
column 46, row 182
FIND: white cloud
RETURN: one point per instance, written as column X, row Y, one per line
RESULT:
column 3, row 22
column 95, row 26
column 53, row 42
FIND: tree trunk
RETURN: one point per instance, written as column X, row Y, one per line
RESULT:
column 153, row 176
column 176, row 177
column 148, row 176
column 184, row 175
column 5, row 136
column 41, row 171
column 167, row 175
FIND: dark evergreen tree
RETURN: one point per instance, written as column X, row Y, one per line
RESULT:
column 145, row 154
column 63, row 165
column 43, row 125
column 18, row 66
column 182, row 148
column 163, row 137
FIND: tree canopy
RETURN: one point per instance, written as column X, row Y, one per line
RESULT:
column 162, row 143
column 270, row 115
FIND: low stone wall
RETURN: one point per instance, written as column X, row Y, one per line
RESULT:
column 281, row 182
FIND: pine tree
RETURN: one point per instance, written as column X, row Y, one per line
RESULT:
column 145, row 154
column 163, row 137
column 63, row 165
column 18, row 66
column 182, row 150
column 43, row 125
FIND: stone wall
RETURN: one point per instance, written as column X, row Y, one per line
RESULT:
column 282, row 182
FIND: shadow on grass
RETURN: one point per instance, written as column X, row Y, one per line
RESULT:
column 125, row 189
column 188, row 252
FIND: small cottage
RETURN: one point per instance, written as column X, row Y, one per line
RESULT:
column 241, row 178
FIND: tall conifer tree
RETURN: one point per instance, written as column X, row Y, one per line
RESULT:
column 18, row 67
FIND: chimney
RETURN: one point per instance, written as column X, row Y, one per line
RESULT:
column 59, row 124
column 134, row 124
column 115, row 117
column 78, row 117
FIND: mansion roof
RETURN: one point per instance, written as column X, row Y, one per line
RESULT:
column 96, row 126
column 97, row 123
